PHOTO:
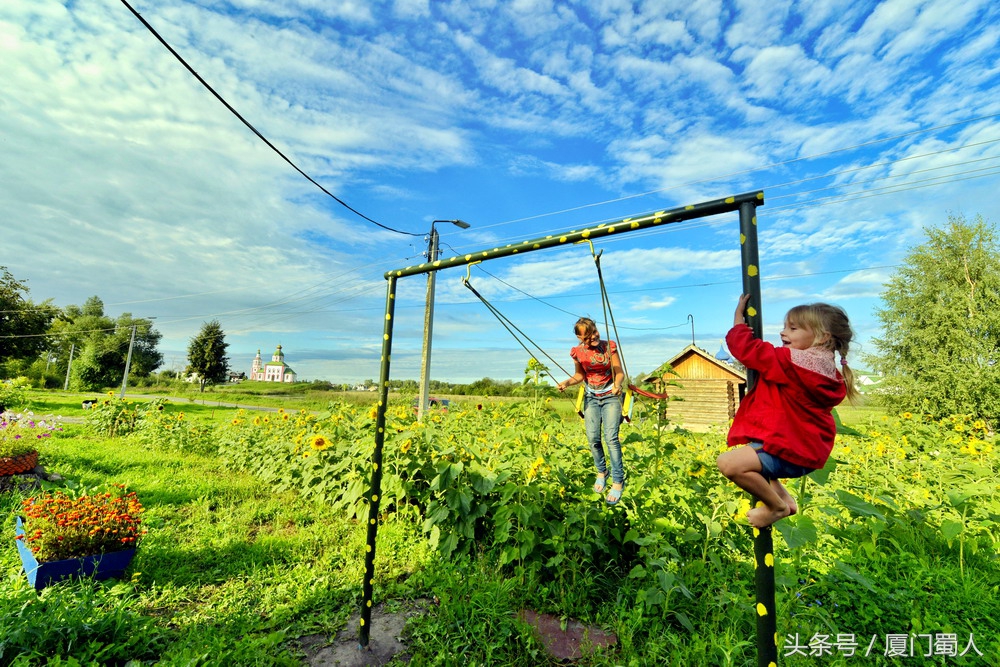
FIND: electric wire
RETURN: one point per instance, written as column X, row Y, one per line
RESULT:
column 253, row 129
column 744, row 172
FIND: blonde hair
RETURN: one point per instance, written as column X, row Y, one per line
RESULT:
column 832, row 330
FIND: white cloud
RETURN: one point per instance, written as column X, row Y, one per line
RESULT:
column 134, row 183
column 648, row 303
column 784, row 72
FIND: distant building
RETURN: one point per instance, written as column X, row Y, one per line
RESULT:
column 275, row 370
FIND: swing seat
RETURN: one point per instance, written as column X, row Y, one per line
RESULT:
column 648, row 394
column 630, row 402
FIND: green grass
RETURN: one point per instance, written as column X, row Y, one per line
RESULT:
column 232, row 572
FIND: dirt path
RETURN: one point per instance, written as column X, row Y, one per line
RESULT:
column 385, row 640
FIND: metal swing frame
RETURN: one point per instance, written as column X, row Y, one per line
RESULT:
column 746, row 204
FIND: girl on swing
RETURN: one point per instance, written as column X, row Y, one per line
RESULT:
column 786, row 422
column 598, row 364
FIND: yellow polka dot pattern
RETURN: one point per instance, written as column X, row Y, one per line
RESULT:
column 630, row 223
column 741, row 203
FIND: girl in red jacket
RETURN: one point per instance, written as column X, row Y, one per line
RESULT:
column 786, row 422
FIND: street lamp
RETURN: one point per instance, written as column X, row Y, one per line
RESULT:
column 425, row 359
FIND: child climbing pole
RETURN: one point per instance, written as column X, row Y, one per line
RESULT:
column 785, row 424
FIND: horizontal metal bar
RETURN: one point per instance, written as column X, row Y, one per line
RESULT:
column 631, row 224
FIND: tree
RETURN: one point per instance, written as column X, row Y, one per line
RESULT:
column 207, row 354
column 100, row 345
column 23, row 324
column 940, row 349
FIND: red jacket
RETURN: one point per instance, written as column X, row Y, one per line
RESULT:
column 790, row 408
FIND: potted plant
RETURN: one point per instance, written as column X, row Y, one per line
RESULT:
column 19, row 436
column 60, row 536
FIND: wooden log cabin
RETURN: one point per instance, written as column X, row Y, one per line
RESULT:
column 709, row 391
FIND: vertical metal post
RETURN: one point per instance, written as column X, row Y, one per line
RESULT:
column 375, row 493
column 69, row 366
column 128, row 361
column 425, row 359
column 763, row 543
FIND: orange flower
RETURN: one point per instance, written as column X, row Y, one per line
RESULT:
column 58, row 527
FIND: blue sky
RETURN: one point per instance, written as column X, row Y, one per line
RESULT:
column 122, row 177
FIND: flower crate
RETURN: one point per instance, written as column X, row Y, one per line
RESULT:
column 15, row 465
column 98, row 566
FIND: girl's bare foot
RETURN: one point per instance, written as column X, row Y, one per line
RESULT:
column 782, row 492
column 764, row 516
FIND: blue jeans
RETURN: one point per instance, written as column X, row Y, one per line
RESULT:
column 604, row 411
column 775, row 467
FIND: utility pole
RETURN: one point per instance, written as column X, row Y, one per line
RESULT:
column 425, row 358
column 128, row 361
column 69, row 366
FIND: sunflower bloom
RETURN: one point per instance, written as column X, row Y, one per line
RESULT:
column 319, row 442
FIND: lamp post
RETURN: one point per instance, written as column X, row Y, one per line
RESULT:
column 425, row 359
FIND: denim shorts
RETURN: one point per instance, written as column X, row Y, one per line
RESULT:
column 773, row 467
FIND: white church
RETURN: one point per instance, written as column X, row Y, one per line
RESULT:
column 275, row 370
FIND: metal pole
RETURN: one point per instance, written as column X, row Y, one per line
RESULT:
column 633, row 224
column 128, row 361
column 746, row 204
column 425, row 358
column 69, row 366
column 763, row 543
column 691, row 317
column 367, row 588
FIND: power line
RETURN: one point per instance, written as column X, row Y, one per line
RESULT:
column 254, row 129
column 744, row 172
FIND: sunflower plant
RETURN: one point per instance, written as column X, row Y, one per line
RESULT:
column 58, row 526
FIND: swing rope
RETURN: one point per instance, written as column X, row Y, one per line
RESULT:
column 610, row 317
column 606, row 306
column 511, row 328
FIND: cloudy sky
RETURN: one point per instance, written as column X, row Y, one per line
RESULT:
column 122, row 176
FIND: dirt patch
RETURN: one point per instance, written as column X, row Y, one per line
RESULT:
column 567, row 640
column 385, row 640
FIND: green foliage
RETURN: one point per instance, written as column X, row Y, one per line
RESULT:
column 207, row 354
column 115, row 417
column 896, row 536
column 940, row 347
column 101, row 345
column 100, row 625
column 173, row 431
column 14, row 393
column 23, row 323
column 475, row 623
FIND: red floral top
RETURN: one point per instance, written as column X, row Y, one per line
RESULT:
column 596, row 363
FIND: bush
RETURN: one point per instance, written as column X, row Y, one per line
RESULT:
column 116, row 417
column 14, row 393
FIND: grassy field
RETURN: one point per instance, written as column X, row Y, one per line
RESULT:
column 256, row 540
